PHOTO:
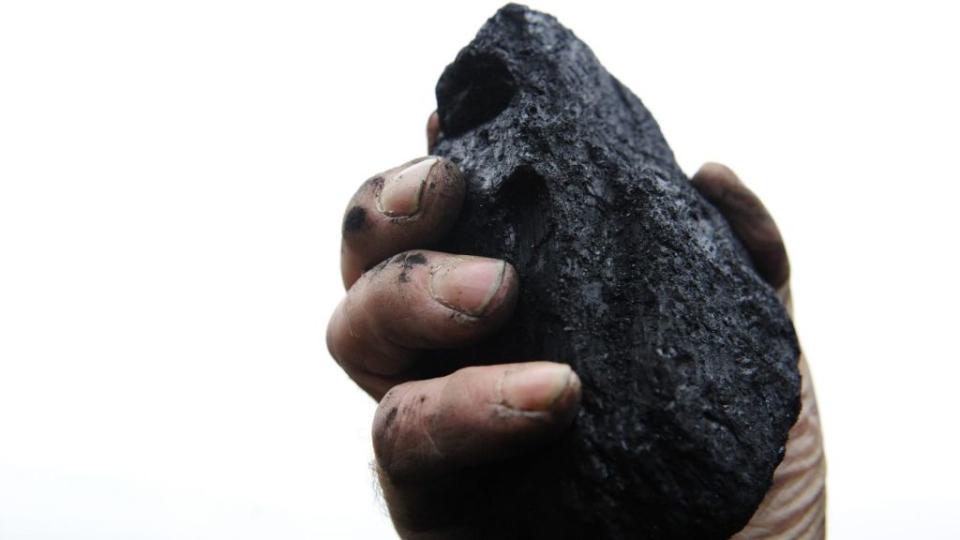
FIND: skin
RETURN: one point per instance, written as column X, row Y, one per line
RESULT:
column 403, row 299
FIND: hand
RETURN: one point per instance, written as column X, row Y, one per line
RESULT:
column 403, row 299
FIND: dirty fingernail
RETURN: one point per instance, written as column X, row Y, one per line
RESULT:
column 402, row 192
column 538, row 387
column 467, row 284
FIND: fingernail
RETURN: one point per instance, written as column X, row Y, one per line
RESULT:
column 401, row 193
column 538, row 387
column 467, row 284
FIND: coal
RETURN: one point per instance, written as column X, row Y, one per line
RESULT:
column 688, row 360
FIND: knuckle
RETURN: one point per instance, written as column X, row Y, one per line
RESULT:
column 335, row 332
column 385, row 429
column 463, row 376
column 371, row 328
column 356, row 219
column 399, row 433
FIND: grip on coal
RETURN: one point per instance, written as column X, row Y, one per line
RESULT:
column 688, row 360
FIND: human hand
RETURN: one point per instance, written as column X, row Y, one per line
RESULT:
column 429, row 435
column 403, row 300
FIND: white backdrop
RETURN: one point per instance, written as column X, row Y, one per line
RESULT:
column 172, row 178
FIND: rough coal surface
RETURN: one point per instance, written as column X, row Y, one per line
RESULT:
column 688, row 360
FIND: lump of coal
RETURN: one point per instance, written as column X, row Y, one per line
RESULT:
column 688, row 360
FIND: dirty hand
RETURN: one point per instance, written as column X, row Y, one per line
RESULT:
column 403, row 300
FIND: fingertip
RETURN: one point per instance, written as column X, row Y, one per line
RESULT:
column 713, row 168
column 541, row 387
column 569, row 403
column 504, row 300
column 412, row 205
column 715, row 178
column 477, row 287
column 401, row 195
column 445, row 192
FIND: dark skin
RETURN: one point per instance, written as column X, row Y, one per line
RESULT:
column 403, row 299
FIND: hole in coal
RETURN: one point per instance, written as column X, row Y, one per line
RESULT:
column 472, row 91
column 525, row 198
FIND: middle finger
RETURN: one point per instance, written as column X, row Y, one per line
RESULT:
column 414, row 301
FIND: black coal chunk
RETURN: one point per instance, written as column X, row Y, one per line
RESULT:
column 688, row 360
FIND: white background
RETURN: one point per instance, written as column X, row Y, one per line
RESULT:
column 172, row 179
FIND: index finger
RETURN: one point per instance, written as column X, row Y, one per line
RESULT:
column 409, row 206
